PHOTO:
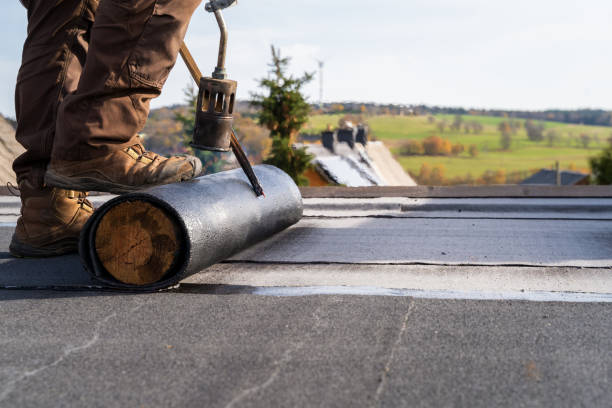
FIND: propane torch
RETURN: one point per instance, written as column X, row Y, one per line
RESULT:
column 214, row 119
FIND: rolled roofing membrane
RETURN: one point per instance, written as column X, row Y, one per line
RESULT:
column 186, row 227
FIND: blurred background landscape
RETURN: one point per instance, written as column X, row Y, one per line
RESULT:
column 458, row 93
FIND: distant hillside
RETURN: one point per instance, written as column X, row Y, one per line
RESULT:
column 9, row 150
column 594, row 117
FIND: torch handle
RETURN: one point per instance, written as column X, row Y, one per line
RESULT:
column 192, row 66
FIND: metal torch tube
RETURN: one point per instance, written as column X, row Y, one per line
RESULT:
column 220, row 70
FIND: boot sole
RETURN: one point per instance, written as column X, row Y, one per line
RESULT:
column 54, row 179
column 65, row 246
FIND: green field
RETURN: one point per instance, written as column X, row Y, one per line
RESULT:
column 523, row 156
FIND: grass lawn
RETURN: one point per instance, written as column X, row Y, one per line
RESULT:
column 523, row 156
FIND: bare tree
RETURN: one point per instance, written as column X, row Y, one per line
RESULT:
column 552, row 137
column 456, row 125
column 442, row 125
column 585, row 140
column 535, row 132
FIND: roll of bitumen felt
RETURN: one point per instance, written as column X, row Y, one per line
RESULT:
column 155, row 238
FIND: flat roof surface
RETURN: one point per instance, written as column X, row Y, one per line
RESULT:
column 388, row 301
column 501, row 191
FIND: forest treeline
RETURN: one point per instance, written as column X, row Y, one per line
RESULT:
column 595, row 117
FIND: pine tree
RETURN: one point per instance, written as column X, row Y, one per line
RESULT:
column 284, row 111
column 601, row 166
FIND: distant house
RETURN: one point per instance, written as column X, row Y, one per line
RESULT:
column 345, row 157
column 549, row 178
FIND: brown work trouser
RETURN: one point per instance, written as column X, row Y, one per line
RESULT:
column 88, row 74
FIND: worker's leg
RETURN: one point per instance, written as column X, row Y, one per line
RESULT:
column 134, row 45
column 53, row 56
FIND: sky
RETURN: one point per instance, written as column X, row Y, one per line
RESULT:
column 518, row 54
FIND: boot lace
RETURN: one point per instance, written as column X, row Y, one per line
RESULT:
column 140, row 149
column 144, row 155
column 82, row 200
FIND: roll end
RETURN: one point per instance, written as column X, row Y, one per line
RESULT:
column 137, row 243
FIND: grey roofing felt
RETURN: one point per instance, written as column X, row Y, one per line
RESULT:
column 549, row 177
column 494, row 191
column 192, row 349
column 440, row 241
column 341, row 332
column 559, row 233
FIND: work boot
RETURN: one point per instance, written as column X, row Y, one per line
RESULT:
column 50, row 223
column 122, row 171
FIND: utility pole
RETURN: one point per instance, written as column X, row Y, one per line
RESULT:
column 321, row 64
